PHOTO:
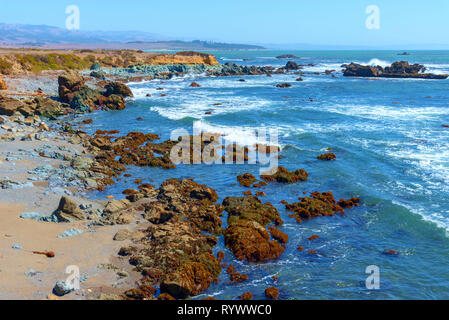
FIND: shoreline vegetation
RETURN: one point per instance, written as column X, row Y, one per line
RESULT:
column 157, row 243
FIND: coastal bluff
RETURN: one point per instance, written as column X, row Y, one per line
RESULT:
column 19, row 61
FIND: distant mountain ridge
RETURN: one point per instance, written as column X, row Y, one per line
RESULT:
column 47, row 36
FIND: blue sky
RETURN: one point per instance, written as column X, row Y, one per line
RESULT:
column 331, row 22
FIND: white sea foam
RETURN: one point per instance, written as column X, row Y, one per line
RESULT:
column 381, row 112
column 321, row 67
column 377, row 62
column 245, row 136
column 196, row 106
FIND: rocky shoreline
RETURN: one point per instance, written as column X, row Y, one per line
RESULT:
column 166, row 250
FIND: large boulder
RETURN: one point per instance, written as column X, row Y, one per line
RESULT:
column 357, row 70
column 85, row 99
column 69, row 84
column 291, row 65
column 8, row 106
column 68, row 211
column 118, row 88
column 405, row 67
column 48, row 107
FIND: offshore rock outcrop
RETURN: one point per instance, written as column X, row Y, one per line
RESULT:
column 319, row 204
column 327, row 157
column 400, row 69
column 282, row 175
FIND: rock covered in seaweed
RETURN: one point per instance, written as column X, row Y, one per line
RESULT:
column 282, row 175
column 317, row 205
column 246, row 179
column 187, row 201
column 176, row 255
column 246, row 235
column 327, row 156
column 250, row 241
column 272, row 293
column 252, row 209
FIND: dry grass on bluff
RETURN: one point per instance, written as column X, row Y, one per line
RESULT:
column 16, row 61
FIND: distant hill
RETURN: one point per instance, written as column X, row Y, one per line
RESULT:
column 54, row 37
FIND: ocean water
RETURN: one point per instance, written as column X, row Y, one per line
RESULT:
column 392, row 152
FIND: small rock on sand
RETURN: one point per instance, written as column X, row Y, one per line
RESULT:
column 62, row 288
column 70, row 233
column 122, row 235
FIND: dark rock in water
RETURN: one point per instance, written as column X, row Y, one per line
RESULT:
column 291, row 65
column 246, row 236
column 400, row 69
column 299, row 79
column 119, row 89
column 390, row 252
column 282, row 175
column 194, row 85
column 98, row 75
column 115, row 102
column 404, row 54
column 246, row 296
column 327, row 156
column 246, row 179
column 272, row 293
column 319, row 204
column 84, row 100
column 250, row 241
column 287, row 56
column 283, row 85
column 357, row 70
column 404, row 67
column 251, row 208
column 95, row 67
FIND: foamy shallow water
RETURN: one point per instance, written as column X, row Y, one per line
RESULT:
column 392, row 152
